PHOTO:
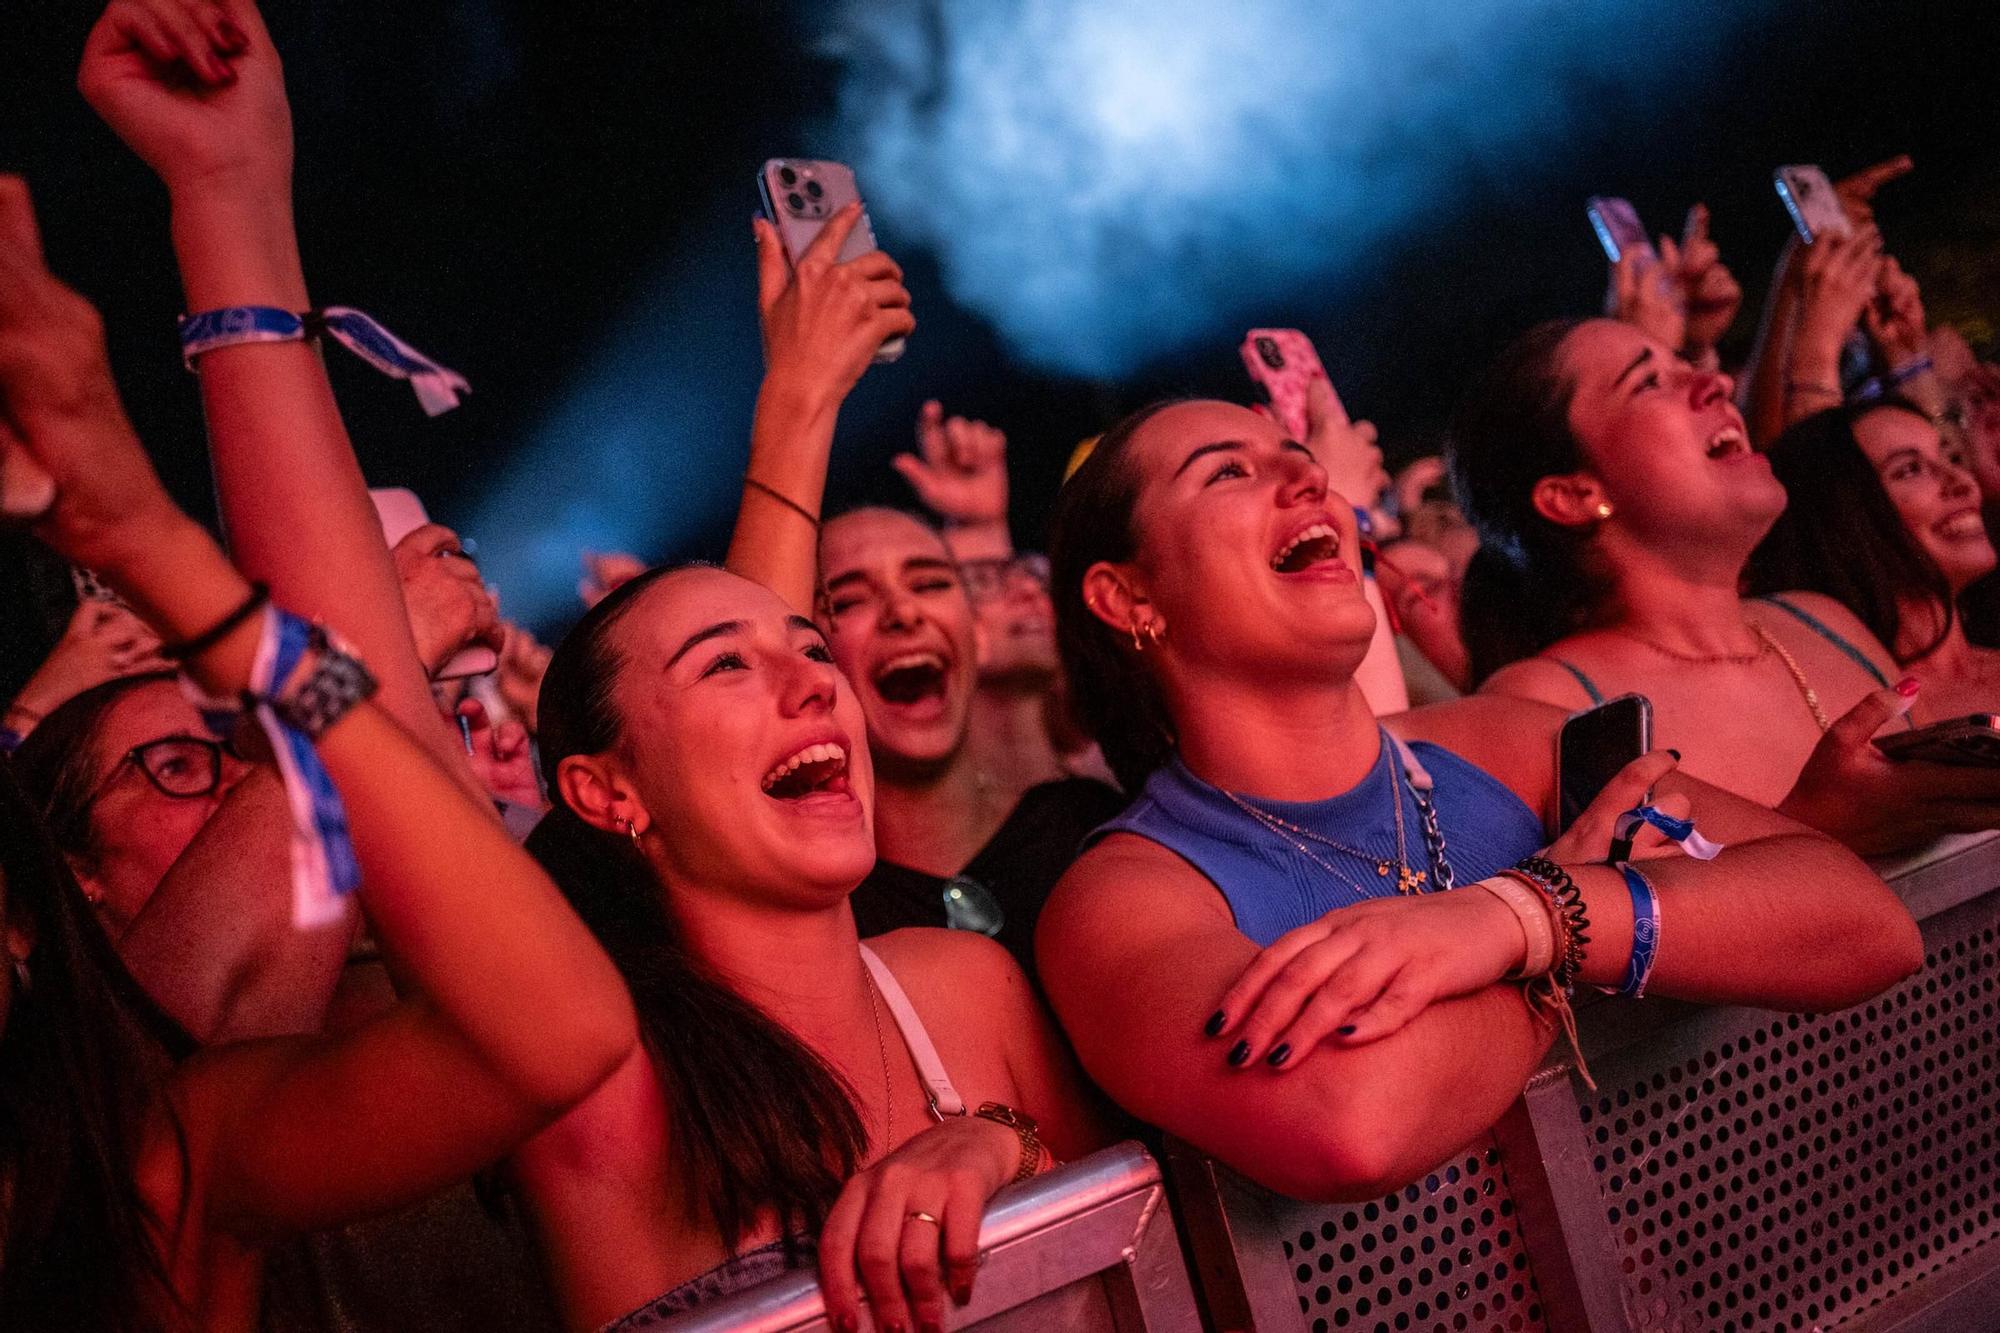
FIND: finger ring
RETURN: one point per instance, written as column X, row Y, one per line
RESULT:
column 919, row 1215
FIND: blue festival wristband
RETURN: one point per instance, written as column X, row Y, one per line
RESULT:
column 437, row 387
column 1645, row 932
column 324, row 868
column 1681, row 831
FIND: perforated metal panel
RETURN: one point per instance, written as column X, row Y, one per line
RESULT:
column 1796, row 1172
column 1442, row 1255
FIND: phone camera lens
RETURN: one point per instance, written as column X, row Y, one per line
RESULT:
column 788, row 176
column 1272, row 357
column 813, row 189
column 797, row 201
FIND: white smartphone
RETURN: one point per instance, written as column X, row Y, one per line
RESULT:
column 1810, row 198
column 402, row 513
column 1618, row 227
column 800, row 195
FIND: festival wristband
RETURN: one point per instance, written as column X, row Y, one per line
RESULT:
column 437, row 387
column 1681, row 831
column 291, row 712
column 1530, row 909
column 1645, row 932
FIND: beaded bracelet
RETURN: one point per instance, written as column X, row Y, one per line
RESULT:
column 1553, row 881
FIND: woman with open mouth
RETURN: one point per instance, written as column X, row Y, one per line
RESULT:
column 1261, row 954
column 1883, row 521
column 1619, row 502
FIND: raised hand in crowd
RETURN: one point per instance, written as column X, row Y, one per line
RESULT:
column 449, row 604
column 603, row 572
column 822, row 323
column 1710, row 294
column 522, row 1014
column 502, row 756
column 959, row 473
column 1838, row 280
column 1644, row 291
column 101, row 641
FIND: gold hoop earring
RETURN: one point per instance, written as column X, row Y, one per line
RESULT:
column 1155, row 631
column 1603, row 510
column 632, row 832
column 1137, row 646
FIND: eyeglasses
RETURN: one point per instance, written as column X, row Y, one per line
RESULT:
column 183, row 767
column 989, row 579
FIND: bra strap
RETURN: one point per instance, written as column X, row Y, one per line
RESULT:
column 944, row 1098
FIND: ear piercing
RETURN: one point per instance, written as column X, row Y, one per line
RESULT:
column 1603, row 509
column 632, row 832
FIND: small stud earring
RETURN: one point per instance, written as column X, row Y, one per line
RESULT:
column 1155, row 631
column 1603, row 509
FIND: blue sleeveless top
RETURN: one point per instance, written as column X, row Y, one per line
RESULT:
column 1271, row 889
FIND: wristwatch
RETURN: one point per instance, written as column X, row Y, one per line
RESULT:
column 1024, row 1128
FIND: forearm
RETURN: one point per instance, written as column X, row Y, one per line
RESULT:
column 293, row 501
column 1793, row 921
column 979, row 541
column 1762, row 393
column 1812, row 375
column 791, row 441
column 215, row 944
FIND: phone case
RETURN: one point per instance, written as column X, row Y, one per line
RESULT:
column 1283, row 363
column 1604, row 764
column 1810, row 198
column 1969, row 742
column 1618, row 227
column 402, row 513
column 800, row 195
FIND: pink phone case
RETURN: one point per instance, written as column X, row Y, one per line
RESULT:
column 1812, row 201
column 1618, row 227
column 402, row 513
column 1283, row 362
column 800, row 196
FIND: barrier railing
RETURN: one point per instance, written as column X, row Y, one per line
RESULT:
column 1087, row 1246
column 1737, row 1170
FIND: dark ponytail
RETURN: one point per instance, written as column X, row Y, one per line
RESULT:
column 1530, row 583
column 1113, row 696
column 760, row 1122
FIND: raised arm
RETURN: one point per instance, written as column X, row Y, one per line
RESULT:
column 822, row 322
column 959, row 472
column 195, row 88
column 522, row 1013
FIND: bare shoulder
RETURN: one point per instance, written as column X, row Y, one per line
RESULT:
column 1836, row 616
column 1538, row 679
column 923, row 957
column 1512, row 738
column 1127, row 879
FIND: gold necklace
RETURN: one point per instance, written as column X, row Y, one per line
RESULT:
column 1703, row 659
column 1806, row 691
column 882, row 1049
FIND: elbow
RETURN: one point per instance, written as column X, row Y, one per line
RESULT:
column 580, row 1053
column 1356, row 1169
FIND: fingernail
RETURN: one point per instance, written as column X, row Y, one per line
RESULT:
column 1279, row 1054
column 1214, row 1024
column 1908, row 687
column 1346, row 1031
column 1239, row 1052
column 1675, row 753
column 962, row 1294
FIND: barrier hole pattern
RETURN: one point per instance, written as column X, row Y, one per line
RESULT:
column 1797, row 1174
column 1441, row 1255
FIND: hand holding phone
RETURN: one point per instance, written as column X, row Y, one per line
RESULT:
column 1593, row 746
column 402, row 513
column 1813, row 203
column 800, row 197
column 1968, row 742
column 1618, row 227
column 1283, row 363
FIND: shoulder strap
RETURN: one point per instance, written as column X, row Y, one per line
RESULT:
column 937, row 1084
column 1589, row 685
column 1825, row 631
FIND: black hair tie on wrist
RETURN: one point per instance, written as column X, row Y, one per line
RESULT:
column 179, row 652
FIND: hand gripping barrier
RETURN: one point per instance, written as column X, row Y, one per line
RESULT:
column 1086, row 1246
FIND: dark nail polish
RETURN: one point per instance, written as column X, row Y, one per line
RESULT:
column 1279, row 1054
column 961, row 1295
column 1347, row 1031
column 1215, row 1022
column 1675, row 753
column 1239, row 1052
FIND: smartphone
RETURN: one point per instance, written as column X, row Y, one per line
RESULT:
column 1809, row 197
column 1593, row 745
column 1969, row 742
column 1618, row 227
column 1282, row 362
column 800, row 195
column 402, row 513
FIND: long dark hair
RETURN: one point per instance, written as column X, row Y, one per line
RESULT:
column 1530, row 582
column 81, row 1061
column 1840, row 533
column 759, row 1120
column 54, row 762
column 1113, row 696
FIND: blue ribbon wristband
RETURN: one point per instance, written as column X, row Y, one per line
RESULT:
column 1680, row 831
column 1645, row 932
column 437, row 387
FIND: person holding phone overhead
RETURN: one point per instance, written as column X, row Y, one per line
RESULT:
column 1618, row 501
column 1266, row 955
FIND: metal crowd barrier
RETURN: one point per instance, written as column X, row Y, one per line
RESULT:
column 1086, row 1246
column 1736, row 1171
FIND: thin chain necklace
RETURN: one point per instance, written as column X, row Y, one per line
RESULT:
column 882, row 1048
column 1408, row 881
column 1704, row 659
column 1806, row 691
